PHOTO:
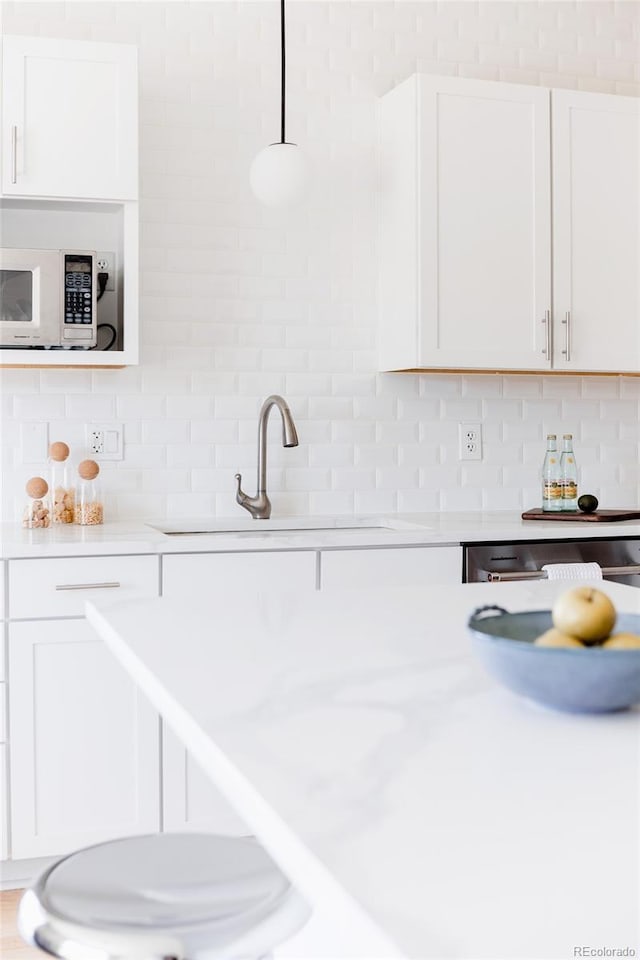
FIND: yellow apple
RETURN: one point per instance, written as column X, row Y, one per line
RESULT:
column 584, row 612
column 623, row 641
column 556, row 638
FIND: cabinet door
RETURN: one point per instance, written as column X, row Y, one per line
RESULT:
column 203, row 574
column 392, row 567
column 190, row 801
column 84, row 759
column 596, row 227
column 465, row 233
column 69, row 119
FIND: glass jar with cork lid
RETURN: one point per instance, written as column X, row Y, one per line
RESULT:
column 37, row 511
column 89, row 508
column 63, row 494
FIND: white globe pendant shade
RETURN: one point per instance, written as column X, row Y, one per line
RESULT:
column 279, row 174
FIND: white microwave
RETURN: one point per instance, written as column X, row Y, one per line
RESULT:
column 48, row 298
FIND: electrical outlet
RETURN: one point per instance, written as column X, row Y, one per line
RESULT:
column 105, row 440
column 107, row 263
column 470, row 441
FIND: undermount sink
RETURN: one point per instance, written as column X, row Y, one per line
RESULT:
column 286, row 525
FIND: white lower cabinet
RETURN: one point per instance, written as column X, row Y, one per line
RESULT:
column 190, row 801
column 84, row 759
column 391, row 567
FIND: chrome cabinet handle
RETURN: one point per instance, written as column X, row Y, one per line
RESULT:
column 547, row 332
column 567, row 335
column 86, row 586
column 14, row 154
column 493, row 577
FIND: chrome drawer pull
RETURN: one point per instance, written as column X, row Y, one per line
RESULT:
column 547, row 322
column 567, row 335
column 493, row 577
column 86, row 586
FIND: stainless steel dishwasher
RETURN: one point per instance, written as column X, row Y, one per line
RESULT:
column 619, row 558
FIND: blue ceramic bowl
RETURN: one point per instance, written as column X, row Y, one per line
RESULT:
column 592, row 680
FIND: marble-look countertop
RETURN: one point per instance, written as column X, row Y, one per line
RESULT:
column 359, row 738
column 244, row 534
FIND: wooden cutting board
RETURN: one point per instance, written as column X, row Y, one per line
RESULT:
column 536, row 513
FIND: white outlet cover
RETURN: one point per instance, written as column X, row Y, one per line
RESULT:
column 113, row 434
column 470, row 441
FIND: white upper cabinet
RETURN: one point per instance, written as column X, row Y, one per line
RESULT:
column 69, row 119
column 596, row 227
column 465, row 231
column 467, row 223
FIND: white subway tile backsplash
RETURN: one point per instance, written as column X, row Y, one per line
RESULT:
column 397, row 478
column 39, row 406
column 330, row 502
column 331, row 455
column 599, row 430
column 353, row 431
column 164, row 431
column 375, row 455
column 169, row 480
column 239, row 301
column 375, row 501
column 499, row 498
column 417, row 454
column 140, row 407
column 461, row 498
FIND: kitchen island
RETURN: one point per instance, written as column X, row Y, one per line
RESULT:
column 387, row 774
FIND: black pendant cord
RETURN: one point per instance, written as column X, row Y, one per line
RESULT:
column 282, row 73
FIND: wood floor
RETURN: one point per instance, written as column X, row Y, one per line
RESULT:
column 12, row 946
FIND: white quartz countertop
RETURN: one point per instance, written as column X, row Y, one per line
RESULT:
column 137, row 537
column 365, row 746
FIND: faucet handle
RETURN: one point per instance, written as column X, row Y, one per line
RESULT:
column 240, row 495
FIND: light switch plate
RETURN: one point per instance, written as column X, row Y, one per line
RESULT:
column 34, row 442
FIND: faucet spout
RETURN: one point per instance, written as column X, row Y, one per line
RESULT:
column 260, row 506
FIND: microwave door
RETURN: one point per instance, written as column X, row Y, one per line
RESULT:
column 29, row 298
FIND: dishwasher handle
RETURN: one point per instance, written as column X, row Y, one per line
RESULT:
column 493, row 576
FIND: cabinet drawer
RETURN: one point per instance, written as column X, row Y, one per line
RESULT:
column 59, row 588
column 1, row 589
column 202, row 574
column 3, row 712
column 392, row 567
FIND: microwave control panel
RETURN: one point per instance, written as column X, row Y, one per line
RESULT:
column 79, row 318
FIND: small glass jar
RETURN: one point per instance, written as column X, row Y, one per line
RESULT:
column 63, row 494
column 37, row 511
column 89, row 509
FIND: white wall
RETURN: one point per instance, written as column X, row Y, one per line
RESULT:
column 238, row 302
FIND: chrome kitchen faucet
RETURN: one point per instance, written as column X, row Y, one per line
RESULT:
column 260, row 506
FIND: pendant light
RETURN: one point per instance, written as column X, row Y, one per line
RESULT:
column 279, row 173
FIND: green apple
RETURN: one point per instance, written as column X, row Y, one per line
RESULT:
column 584, row 612
column 556, row 638
column 623, row 641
